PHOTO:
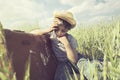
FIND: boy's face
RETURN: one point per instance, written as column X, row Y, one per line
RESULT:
column 61, row 31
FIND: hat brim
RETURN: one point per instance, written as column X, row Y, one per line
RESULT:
column 66, row 18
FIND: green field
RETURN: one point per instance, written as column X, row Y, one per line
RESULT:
column 95, row 41
column 101, row 41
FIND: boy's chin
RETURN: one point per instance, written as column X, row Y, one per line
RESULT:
column 60, row 36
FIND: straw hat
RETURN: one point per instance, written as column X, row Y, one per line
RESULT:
column 67, row 16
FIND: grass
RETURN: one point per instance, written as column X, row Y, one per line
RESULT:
column 97, row 41
column 101, row 41
column 6, row 71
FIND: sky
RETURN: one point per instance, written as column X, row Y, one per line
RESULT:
column 16, row 12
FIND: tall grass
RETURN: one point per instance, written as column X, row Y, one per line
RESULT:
column 101, row 41
column 6, row 69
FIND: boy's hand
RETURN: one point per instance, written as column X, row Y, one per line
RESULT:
column 63, row 40
column 55, row 24
column 53, row 27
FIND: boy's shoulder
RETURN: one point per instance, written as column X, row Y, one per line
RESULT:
column 69, row 36
column 72, row 40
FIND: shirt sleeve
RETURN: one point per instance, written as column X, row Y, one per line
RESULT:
column 73, row 42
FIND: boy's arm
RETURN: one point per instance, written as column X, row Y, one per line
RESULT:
column 40, row 32
column 44, row 31
column 71, row 53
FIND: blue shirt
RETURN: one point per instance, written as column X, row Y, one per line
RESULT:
column 59, row 48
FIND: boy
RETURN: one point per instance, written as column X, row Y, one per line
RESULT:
column 63, row 44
